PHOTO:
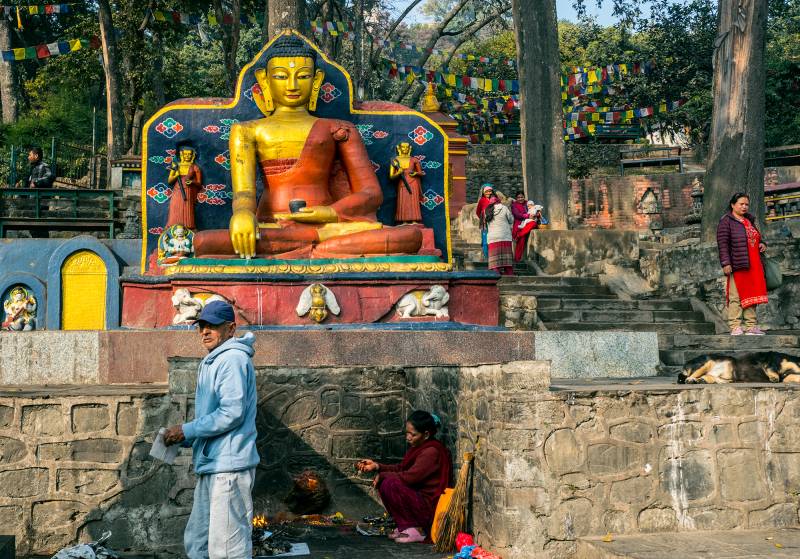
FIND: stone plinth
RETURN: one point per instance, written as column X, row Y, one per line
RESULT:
column 556, row 252
column 262, row 299
column 599, row 354
column 123, row 356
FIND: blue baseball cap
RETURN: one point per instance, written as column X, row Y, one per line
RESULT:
column 217, row 312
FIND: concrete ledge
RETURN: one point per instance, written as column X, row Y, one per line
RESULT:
column 599, row 354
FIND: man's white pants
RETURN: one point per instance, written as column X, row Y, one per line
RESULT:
column 221, row 522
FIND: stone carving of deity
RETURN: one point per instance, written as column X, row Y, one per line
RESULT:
column 20, row 311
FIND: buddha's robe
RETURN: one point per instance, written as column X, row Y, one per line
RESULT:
column 334, row 170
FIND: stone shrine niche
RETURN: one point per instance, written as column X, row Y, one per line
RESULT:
column 648, row 204
column 19, row 310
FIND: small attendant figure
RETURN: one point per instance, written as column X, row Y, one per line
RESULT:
column 174, row 244
column 406, row 169
column 20, row 311
column 186, row 180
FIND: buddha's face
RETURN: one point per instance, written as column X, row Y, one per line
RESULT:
column 186, row 156
column 404, row 149
column 290, row 80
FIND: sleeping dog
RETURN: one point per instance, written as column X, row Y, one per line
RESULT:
column 716, row 368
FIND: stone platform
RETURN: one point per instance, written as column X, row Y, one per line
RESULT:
column 143, row 356
column 744, row 544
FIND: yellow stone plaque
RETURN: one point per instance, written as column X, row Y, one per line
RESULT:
column 83, row 292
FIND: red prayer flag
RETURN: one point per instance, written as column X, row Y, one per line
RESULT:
column 42, row 51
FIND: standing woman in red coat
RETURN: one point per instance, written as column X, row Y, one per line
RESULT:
column 410, row 490
column 740, row 247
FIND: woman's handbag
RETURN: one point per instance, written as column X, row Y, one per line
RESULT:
column 772, row 273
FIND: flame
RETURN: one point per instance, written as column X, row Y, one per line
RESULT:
column 260, row 521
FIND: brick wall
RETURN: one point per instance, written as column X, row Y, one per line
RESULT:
column 606, row 202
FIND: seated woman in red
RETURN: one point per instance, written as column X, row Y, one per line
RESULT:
column 410, row 490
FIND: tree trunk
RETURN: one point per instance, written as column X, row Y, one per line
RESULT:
column 358, row 49
column 265, row 27
column 115, row 138
column 286, row 14
column 230, row 39
column 544, row 167
column 136, row 131
column 736, row 154
column 158, row 72
column 8, row 77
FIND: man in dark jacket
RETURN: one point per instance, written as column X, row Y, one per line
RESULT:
column 41, row 175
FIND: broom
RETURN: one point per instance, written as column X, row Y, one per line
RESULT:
column 455, row 517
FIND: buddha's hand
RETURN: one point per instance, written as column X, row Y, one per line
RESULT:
column 314, row 214
column 244, row 233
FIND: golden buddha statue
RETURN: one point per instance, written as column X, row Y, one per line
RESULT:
column 318, row 163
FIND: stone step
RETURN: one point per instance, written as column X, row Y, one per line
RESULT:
column 658, row 327
column 608, row 304
column 775, row 543
column 578, row 315
column 546, row 295
column 673, row 357
column 549, row 280
column 722, row 342
column 585, row 291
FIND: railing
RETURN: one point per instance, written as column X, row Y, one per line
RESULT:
column 73, row 165
column 783, row 206
column 651, row 156
column 46, row 209
column 782, row 156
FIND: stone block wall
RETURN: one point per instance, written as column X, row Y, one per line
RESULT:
column 554, row 466
column 75, row 463
column 550, row 466
column 499, row 164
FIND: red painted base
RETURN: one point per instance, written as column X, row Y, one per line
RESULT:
column 273, row 302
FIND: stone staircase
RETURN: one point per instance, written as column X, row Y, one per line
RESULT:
column 583, row 303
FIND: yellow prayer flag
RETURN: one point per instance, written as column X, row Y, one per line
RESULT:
column 212, row 19
column 74, row 44
column 450, row 79
column 662, row 108
column 629, row 114
column 487, row 84
column 19, row 54
column 595, row 117
column 592, row 77
column 623, row 68
column 33, row 10
column 159, row 15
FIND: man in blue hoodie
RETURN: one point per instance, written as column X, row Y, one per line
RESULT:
column 223, row 440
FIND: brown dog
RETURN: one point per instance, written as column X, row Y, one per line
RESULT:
column 768, row 366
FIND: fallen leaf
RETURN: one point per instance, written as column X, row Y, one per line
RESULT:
column 778, row 545
column 608, row 538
